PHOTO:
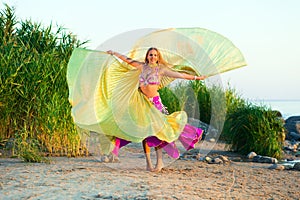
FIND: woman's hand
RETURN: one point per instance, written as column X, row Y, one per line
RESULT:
column 200, row 77
column 110, row 52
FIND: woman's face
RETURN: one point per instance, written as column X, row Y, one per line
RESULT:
column 152, row 57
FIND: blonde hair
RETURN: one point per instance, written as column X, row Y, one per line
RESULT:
column 160, row 58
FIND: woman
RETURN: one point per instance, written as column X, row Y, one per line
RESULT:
column 120, row 102
column 151, row 73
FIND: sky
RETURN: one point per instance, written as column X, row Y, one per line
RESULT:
column 266, row 31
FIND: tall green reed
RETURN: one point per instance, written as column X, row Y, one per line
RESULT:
column 34, row 107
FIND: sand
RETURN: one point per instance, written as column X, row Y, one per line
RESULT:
column 88, row 178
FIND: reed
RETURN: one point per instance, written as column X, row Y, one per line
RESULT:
column 34, row 107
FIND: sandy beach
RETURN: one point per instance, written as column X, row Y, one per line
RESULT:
column 88, row 178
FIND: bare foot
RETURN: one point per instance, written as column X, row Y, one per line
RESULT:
column 149, row 168
column 158, row 168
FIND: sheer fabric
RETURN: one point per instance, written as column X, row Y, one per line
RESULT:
column 104, row 92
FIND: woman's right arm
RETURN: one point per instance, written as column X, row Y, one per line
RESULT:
column 131, row 62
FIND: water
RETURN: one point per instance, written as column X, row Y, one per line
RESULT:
column 286, row 107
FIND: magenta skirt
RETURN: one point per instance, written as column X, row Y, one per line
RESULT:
column 188, row 138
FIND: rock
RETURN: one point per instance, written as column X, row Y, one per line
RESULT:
column 290, row 125
column 109, row 158
column 288, row 166
column 105, row 159
column 217, row 161
column 298, row 126
column 297, row 166
column 293, row 136
column 211, row 139
column 113, row 158
column 277, row 167
column 264, row 159
column 208, row 159
column 102, row 196
column 251, row 155
column 224, row 158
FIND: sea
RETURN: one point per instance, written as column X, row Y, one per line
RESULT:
column 287, row 108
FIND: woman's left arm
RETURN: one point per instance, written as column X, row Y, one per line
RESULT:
column 173, row 74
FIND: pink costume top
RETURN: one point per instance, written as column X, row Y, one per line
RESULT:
column 149, row 75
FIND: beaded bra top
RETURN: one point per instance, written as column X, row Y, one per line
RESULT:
column 149, row 75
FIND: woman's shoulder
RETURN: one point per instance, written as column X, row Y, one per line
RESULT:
column 165, row 66
column 140, row 65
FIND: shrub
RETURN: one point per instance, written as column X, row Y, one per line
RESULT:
column 254, row 128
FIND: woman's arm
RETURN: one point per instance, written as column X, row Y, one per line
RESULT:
column 131, row 62
column 174, row 74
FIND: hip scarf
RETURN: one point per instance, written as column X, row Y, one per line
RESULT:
column 188, row 137
column 156, row 101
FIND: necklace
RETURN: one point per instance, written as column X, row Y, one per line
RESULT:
column 153, row 65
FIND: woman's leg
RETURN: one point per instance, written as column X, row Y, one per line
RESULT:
column 147, row 152
column 159, row 159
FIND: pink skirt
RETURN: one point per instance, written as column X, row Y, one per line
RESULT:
column 188, row 137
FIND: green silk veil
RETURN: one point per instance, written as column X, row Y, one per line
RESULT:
column 104, row 95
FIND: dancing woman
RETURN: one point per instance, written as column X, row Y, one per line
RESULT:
column 151, row 71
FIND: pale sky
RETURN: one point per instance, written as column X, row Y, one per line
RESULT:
column 266, row 31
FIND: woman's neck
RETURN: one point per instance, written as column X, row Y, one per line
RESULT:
column 152, row 64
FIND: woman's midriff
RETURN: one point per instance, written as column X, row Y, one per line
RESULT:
column 150, row 90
